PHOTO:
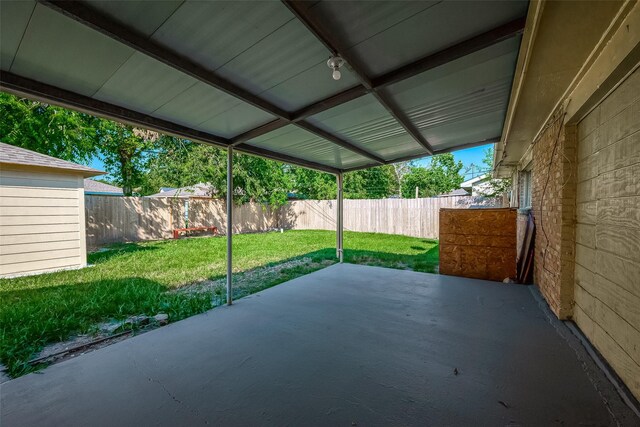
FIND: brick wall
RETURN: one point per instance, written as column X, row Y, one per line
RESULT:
column 553, row 204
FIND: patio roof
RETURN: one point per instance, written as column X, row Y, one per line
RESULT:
column 421, row 77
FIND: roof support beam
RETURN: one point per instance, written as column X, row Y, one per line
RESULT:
column 258, row 131
column 22, row 86
column 418, row 156
column 302, row 10
column 330, row 102
column 273, row 155
column 86, row 15
column 493, row 140
column 18, row 85
column 457, row 51
column 326, row 135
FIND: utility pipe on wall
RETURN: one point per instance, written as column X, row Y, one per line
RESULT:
column 339, row 224
column 229, row 223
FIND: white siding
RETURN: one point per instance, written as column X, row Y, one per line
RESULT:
column 41, row 221
column 607, row 268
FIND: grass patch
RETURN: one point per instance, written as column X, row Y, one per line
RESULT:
column 177, row 277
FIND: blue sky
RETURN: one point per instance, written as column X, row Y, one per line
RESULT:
column 468, row 156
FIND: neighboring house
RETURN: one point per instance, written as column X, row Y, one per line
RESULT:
column 41, row 213
column 97, row 188
column 456, row 192
column 477, row 186
column 201, row 190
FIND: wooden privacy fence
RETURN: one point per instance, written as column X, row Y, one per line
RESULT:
column 126, row 219
column 129, row 219
column 410, row 217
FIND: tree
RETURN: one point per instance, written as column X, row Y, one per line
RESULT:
column 123, row 149
column 311, row 184
column 497, row 186
column 372, row 183
column 46, row 129
column 180, row 163
column 400, row 169
column 441, row 176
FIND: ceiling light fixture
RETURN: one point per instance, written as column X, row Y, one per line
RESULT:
column 335, row 62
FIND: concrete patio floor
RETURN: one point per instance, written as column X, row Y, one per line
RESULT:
column 347, row 345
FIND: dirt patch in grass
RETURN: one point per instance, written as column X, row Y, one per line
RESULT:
column 255, row 280
column 373, row 261
column 244, row 283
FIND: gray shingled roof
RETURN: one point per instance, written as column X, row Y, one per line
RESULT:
column 456, row 192
column 91, row 186
column 197, row 190
column 21, row 156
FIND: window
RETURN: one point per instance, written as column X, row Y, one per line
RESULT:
column 525, row 189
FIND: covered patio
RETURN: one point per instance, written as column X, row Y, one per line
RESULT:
column 332, row 86
column 347, row 345
column 336, row 87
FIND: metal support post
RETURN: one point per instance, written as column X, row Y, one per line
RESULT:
column 339, row 220
column 229, row 225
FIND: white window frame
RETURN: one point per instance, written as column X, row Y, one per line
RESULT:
column 526, row 189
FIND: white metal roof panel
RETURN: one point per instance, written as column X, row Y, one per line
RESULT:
column 196, row 105
column 428, row 31
column 478, row 128
column 144, row 84
column 358, row 21
column 14, row 17
column 296, row 92
column 283, row 54
column 144, row 16
column 64, row 53
column 466, row 97
column 236, row 120
column 215, row 32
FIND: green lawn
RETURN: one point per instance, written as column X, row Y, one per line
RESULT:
column 153, row 277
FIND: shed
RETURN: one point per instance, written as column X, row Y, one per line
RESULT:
column 41, row 213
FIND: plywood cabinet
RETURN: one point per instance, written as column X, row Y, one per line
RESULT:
column 478, row 243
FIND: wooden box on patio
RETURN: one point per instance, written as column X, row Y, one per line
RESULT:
column 478, row 243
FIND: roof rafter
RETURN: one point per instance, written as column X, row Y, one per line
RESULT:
column 451, row 53
column 302, row 11
column 419, row 156
column 98, row 21
column 326, row 135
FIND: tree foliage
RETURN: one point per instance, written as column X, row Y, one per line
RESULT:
column 373, row 183
column 441, row 176
column 496, row 186
column 123, row 149
column 181, row 163
column 47, row 129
